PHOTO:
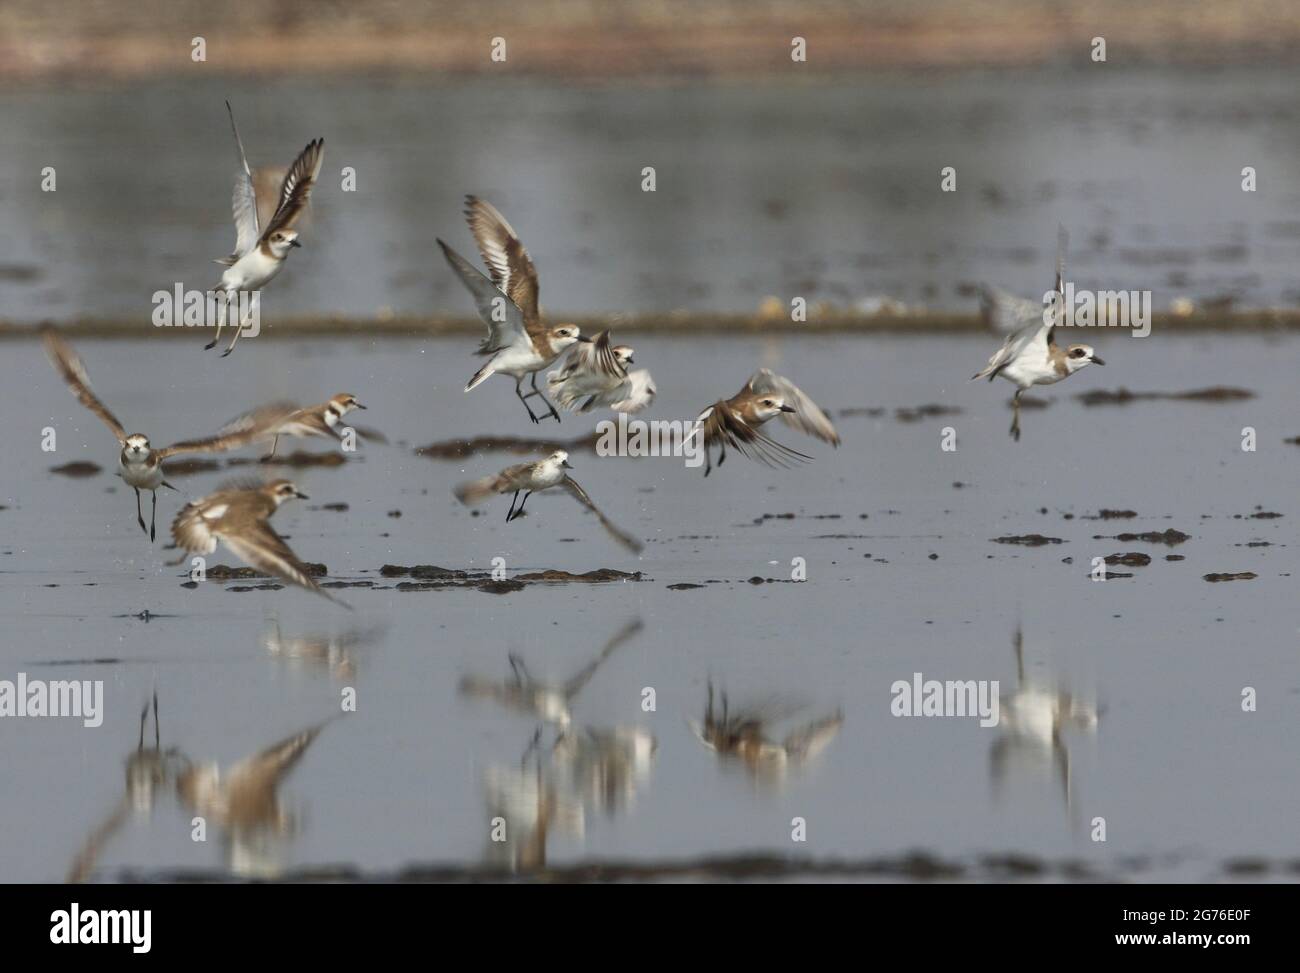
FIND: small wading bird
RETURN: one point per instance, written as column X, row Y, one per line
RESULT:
column 735, row 421
column 530, row 478
column 286, row 419
column 597, row 371
column 1030, row 356
column 518, row 343
column 238, row 516
column 139, row 464
column 260, row 252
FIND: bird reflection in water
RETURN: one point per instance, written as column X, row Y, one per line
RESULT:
column 333, row 653
column 241, row 802
column 584, row 768
column 745, row 735
column 1032, row 725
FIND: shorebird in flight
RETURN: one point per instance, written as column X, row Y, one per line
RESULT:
column 1030, row 355
column 597, row 371
column 735, row 421
column 139, row 464
column 262, row 244
column 518, row 343
column 238, row 516
column 530, row 478
column 287, row 419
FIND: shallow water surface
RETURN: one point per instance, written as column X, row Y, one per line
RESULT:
column 902, row 577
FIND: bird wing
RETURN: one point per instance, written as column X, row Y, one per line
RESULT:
column 1005, row 312
column 295, row 191
column 261, row 419
column 579, row 494
column 1033, row 336
column 573, row 685
column 502, row 315
column 191, row 529
column 723, row 425
column 511, row 268
column 69, row 366
column 807, row 418
column 259, row 545
column 476, row 491
column 263, row 771
column 637, row 391
column 243, row 201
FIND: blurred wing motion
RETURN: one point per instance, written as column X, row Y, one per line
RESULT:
column 807, row 418
column 1004, row 312
column 476, row 491
column 579, row 494
column 636, row 392
column 722, row 425
column 69, row 366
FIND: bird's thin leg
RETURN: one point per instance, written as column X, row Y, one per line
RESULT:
column 518, row 668
column 511, row 515
column 722, row 453
column 144, row 715
column 271, row 455
column 524, row 399
column 239, row 330
column 139, row 514
column 538, row 391
column 223, row 302
column 708, row 459
column 156, row 738
column 1015, row 415
column 520, row 512
column 153, row 515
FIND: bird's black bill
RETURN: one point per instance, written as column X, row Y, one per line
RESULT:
column 1097, row 361
column 566, row 465
column 294, row 243
column 301, row 496
column 787, row 408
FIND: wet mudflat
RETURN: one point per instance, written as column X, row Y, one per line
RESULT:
column 1145, row 670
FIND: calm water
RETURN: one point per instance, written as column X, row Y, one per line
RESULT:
column 902, row 578
column 829, row 190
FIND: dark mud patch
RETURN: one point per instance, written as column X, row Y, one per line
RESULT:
column 1170, row 537
column 599, row 576
column 684, row 586
column 1129, row 560
column 1122, row 396
column 1112, row 515
column 901, row 413
column 430, row 577
column 1239, row 576
column 1028, row 540
column 190, row 467
column 222, row 572
column 298, row 459
column 1260, row 515
column 926, row 412
column 78, row 469
column 335, row 507
column 462, row 448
